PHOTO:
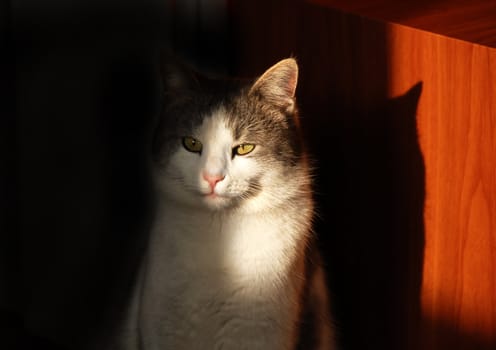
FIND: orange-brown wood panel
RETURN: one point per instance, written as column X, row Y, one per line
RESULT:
column 457, row 132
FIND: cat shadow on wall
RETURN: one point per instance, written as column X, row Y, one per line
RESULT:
column 370, row 195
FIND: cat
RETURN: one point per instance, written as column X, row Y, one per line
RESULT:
column 231, row 262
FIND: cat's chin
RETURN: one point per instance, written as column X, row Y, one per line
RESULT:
column 215, row 201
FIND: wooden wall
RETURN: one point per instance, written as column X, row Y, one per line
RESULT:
column 457, row 133
column 398, row 103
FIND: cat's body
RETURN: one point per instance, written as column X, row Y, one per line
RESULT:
column 228, row 264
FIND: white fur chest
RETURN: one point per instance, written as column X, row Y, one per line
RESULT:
column 214, row 279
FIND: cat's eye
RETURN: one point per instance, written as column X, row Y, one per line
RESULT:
column 191, row 144
column 243, row 149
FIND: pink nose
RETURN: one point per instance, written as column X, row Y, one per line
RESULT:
column 213, row 179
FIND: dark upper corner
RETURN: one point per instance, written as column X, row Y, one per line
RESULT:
column 468, row 20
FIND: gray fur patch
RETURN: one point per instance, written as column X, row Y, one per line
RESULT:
column 251, row 118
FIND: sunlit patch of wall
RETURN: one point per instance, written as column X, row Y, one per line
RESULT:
column 456, row 123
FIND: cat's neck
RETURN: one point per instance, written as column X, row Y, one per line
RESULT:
column 248, row 245
column 203, row 227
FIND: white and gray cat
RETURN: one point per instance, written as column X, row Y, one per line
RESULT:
column 231, row 262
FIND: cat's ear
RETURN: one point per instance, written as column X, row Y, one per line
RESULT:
column 176, row 77
column 278, row 84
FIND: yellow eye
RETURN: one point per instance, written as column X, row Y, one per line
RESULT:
column 192, row 145
column 243, row 149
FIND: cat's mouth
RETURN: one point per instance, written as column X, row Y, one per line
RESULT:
column 216, row 199
column 213, row 195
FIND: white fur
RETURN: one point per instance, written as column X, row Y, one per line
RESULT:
column 218, row 277
column 225, row 283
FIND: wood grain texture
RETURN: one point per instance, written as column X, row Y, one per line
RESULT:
column 408, row 191
column 457, row 132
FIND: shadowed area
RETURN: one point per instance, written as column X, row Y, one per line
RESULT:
column 369, row 168
column 86, row 94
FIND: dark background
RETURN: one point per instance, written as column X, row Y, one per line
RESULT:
column 79, row 96
column 82, row 93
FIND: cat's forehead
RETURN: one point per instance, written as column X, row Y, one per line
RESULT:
column 246, row 118
column 215, row 126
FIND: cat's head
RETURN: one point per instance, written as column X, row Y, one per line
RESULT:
column 228, row 144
